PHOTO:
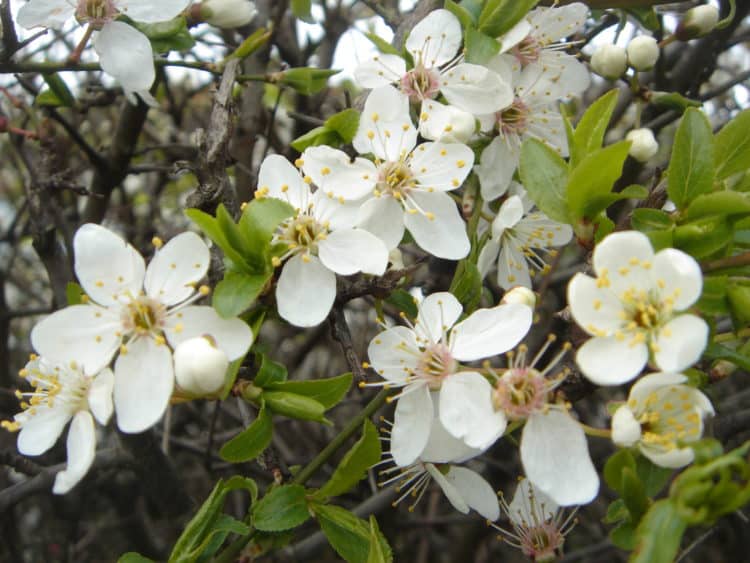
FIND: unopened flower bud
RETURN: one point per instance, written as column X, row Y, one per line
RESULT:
column 199, row 366
column 626, row 430
column 697, row 22
column 227, row 14
column 643, row 52
column 644, row 145
column 449, row 125
column 609, row 61
column 521, row 295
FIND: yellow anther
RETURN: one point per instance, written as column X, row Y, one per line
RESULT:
column 325, row 171
column 243, row 205
column 276, row 261
column 204, row 290
column 299, row 163
column 461, row 163
column 157, row 242
column 123, row 349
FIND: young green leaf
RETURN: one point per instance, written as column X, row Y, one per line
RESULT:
column 283, row 508
column 353, row 467
column 295, row 406
column 719, row 203
column 480, row 47
column 544, row 174
column 467, row 285
column 259, row 221
column 466, row 18
column 653, row 477
column 691, row 170
column 302, row 9
column 345, row 123
column 60, row 88
column 315, row 137
column 237, row 292
column 270, row 372
column 328, row 392
column 377, row 554
column 646, row 219
column 499, row 16
column 249, row 443
column 733, row 146
column 589, row 133
column 614, row 468
column 348, row 535
column 633, row 494
column 659, row 534
column 133, row 557
column 592, row 180
column 210, row 227
column 703, row 237
column 306, row 80
column 382, row 45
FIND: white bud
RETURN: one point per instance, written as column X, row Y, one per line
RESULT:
column 199, row 366
column 227, row 14
column 610, row 61
column 521, row 295
column 698, row 21
column 643, row 146
column 396, row 259
column 643, row 52
column 626, row 430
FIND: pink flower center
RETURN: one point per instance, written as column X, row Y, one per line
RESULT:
column 96, row 12
column 435, row 365
column 520, row 392
column 527, row 51
column 541, row 542
column 420, row 83
column 513, row 119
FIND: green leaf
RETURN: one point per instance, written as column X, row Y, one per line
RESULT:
column 659, row 534
column 647, row 17
column 544, row 174
column 60, row 88
column 348, row 535
column 499, row 16
column 295, row 406
column 623, row 536
column 589, row 133
column 653, row 477
column 633, row 494
column 133, row 557
column 382, row 45
column 252, row 257
column 719, row 203
column 48, row 99
column 165, row 36
column 614, row 468
column 466, row 18
column 713, row 299
column 691, row 170
column 719, row 352
column 249, row 443
column 237, row 292
column 270, row 372
column 354, row 465
column 250, row 44
column 345, row 123
column 590, row 183
column 283, row 508
column 703, row 237
column 404, row 301
column 328, row 392
column 674, row 100
column 599, row 203
column 377, row 554
column 467, row 285
column 305, row 80
column 74, row 293
column 480, row 47
column 733, row 146
column 739, row 302
column 616, row 512
column 315, row 137
column 210, row 227
column 260, row 219
column 302, row 9
column 646, row 219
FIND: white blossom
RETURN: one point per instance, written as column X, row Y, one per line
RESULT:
column 199, row 366
column 124, row 52
column 644, row 145
column 661, row 417
column 142, row 313
column 426, row 356
column 320, row 241
column 698, row 21
column 62, row 393
column 609, row 61
column 406, row 187
column 633, row 309
column 227, row 14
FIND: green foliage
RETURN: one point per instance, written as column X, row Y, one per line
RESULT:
column 480, row 47
column 349, row 535
column 283, row 508
column 170, row 35
column 353, row 467
column 251, row 44
column 544, row 174
column 302, row 10
column 691, row 169
column 296, row 406
column 659, row 534
column 589, row 133
column 237, row 292
column 251, row 442
column 377, row 552
column 403, row 301
column 305, row 80
column 338, row 130
column 467, row 285
column 133, row 557
column 270, row 372
column 499, row 16
column 74, row 293
column 733, row 147
column 674, row 100
column 208, row 529
column 328, row 392
column 464, row 15
column 58, row 94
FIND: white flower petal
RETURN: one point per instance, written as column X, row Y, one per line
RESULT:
column 379, row 71
column 85, row 334
column 435, row 40
column 488, row 332
column 441, row 166
column 552, row 24
column 672, row 459
column 125, row 53
column 515, row 35
column 596, row 309
column 383, row 217
column 437, row 314
column 678, row 277
column 81, row 445
column 305, row 291
column 151, row 12
column 443, row 232
column 466, row 410
column 411, row 425
column 333, row 172
column 385, row 126
column 176, row 268
column 510, row 213
column 680, row 343
column 521, row 510
column 283, row 181
column 45, row 13
column 392, row 353
column 556, row 458
column 487, row 257
column 497, row 164
column 144, row 379
column 448, row 488
column 338, row 212
column 446, row 124
column 348, row 251
column 475, row 89
column 233, row 336
column 41, row 430
column 444, row 448
column 614, row 257
column 609, row 361
column 626, row 430
column 647, row 384
column 100, row 396
column 475, row 491
column 105, row 265
column 512, row 268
